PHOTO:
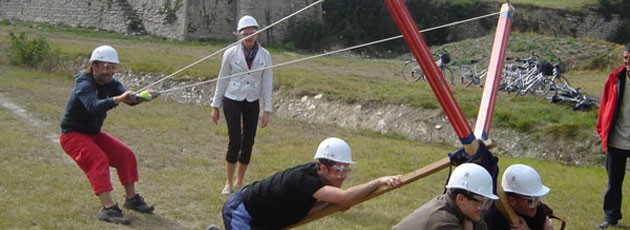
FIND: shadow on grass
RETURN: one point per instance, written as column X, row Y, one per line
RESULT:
column 152, row 221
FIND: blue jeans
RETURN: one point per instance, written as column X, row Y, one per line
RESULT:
column 616, row 168
column 235, row 216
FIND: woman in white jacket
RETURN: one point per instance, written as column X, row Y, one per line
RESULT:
column 239, row 96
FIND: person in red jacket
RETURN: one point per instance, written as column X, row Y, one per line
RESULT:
column 613, row 127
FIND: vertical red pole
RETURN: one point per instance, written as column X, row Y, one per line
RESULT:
column 421, row 52
column 495, row 67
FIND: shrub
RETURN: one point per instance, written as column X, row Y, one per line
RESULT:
column 599, row 62
column 623, row 33
column 306, row 34
column 25, row 52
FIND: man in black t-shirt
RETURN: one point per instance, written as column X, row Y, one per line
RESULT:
column 288, row 196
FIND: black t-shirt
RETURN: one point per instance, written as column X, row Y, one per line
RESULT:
column 500, row 222
column 284, row 198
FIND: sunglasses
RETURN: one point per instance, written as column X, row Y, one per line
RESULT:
column 533, row 202
column 340, row 171
column 484, row 202
column 245, row 34
column 109, row 67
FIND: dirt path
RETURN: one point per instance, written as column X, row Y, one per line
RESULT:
column 36, row 124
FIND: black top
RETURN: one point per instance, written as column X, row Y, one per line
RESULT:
column 500, row 222
column 283, row 199
column 88, row 104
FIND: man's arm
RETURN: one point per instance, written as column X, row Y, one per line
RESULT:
column 319, row 205
column 348, row 197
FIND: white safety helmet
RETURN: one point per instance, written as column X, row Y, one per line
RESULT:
column 105, row 54
column 473, row 178
column 246, row 22
column 523, row 180
column 334, row 149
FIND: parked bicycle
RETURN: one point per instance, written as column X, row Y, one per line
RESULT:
column 561, row 91
column 558, row 81
column 580, row 100
column 469, row 74
column 524, row 77
column 411, row 71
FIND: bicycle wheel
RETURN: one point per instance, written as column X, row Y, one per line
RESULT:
column 559, row 84
column 540, row 88
column 448, row 74
column 466, row 75
column 411, row 71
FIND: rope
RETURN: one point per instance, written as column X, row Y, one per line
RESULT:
column 221, row 50
column 325, row 54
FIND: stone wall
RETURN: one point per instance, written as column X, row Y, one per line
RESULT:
column 587, row 22
column 216, row 19
column 173, row 19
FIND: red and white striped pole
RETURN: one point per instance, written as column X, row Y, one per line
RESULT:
column 421, row 52
column 495, row 67
column 490, row 91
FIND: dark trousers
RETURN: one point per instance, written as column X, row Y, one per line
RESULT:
column 242, row 120
column 616, row 168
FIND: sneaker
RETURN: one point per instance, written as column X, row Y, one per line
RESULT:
column 137, row 203
column 113, row 214
column 226, row 190
column 607, row 224
column 213, row 227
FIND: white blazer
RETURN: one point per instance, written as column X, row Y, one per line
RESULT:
column 251, row 86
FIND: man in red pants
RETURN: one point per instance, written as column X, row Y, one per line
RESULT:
column 94, row 93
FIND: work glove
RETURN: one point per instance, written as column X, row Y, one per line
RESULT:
column 143, row 96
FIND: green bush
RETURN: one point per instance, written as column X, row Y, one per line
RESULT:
column 24, row 52
column 617, row 7
column 623, row 33
column 306, row 35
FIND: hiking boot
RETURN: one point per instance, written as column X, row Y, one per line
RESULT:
column 607, row 224
column 137, row 203
column 113, row 214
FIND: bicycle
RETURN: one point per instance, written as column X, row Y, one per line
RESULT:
column 539, row 82
column 412, row 72
column 558, row 80
column 581, row 101
column 469, row 74
column 517, row 78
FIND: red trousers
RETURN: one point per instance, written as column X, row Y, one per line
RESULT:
column 96, row 153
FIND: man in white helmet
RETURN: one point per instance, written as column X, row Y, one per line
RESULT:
column 468, row 195
column 524, row 190
column 240, row 97
column 95, row 92
column 288, row 196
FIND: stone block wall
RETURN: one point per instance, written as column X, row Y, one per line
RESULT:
column 217, row 19
column 586, row 22
column 173, row 19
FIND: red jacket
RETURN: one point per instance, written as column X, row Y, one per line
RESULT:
column 609, row 104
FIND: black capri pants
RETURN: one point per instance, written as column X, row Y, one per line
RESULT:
column 242, row 120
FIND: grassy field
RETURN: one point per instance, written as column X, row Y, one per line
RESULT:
column 356, row 80
column 180, row 155
column 180, row 152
